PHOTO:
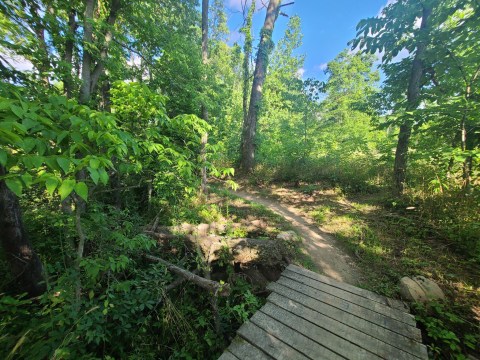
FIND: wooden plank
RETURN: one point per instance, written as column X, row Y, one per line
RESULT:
column 228, row 356
column 319, row 334
column 303, row 344
column 269, row 343
column 344, row 306
column 386, row 335
column 244, row 350
column 404, row 349
column 396, row 304
column 353, row 298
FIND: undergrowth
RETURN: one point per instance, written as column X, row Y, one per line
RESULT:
column 433, row 236
column 124, row 310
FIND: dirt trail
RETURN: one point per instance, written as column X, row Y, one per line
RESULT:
column 321, row 247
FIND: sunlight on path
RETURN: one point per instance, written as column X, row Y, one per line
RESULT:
column 321, row 247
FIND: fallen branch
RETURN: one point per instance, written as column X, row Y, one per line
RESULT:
column 215, row 287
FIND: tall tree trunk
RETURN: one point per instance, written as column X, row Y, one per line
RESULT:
column 91, row 73
column 24, row 262
column 68, row 56
column 204, row 140
column 413, row 100
column 247, row 160
column 100, row 66
column 85, row 92
column 247, row 51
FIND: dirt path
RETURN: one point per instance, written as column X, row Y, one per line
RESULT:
column 321, row 247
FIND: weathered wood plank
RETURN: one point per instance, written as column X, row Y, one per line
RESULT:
column 386, row 335
column 227, row 355
column 406, row 349
column 269, row 343
column 352, row 298
column 244, row 350
column 303, row 344
column 320, row 335
column 396, row 304
column 345, row 306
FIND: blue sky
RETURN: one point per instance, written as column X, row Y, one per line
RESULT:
column 327, row 26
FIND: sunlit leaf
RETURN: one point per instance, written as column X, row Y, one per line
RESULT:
column 66, row 188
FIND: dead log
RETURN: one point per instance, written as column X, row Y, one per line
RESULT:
column 214, row 228
column 213, row 286
column 243, row 251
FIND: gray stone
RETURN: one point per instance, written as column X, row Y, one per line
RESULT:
column 420, row 289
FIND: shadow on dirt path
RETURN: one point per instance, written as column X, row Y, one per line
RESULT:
column 321, row 247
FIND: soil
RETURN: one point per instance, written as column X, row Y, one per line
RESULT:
column 322, row 248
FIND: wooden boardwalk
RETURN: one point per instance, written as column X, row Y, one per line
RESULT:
column 310, row 316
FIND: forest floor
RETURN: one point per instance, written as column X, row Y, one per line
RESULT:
column 364, row 240
column 322, row 248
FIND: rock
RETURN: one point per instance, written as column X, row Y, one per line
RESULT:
column 287, row 235
column 420, row 289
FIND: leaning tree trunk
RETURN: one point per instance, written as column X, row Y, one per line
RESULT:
column 247, row 160
column 24, row 263
column 413, row 99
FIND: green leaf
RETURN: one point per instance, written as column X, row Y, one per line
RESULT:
column 17, row 110
column 94, row 163
column 51, row 184
column 103, row 176
column 61, row 136
column 3, row 157
column 94, row 174
column 64, row 164
column 82, row 190
column 15, row 185
column 51, row 163
column 28, row 144
column 27, row 179
column 37, row 161
column 41, row 147
column 66, row 188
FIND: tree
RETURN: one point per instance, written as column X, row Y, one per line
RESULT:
column 418, row 29
column 387, row 33
column 25, row 264
column 247, row 160
column 247, row 53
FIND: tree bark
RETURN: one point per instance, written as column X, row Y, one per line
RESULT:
column 91, row 73
column 247, row 51
column 24, row 262
column 68, row 56
column 247, row 160
column 100, row 66
column 85, row 92
column 413, row 100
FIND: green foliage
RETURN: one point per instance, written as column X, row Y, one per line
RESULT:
column 448, row 331
column 132, row 154
column 42, row 141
